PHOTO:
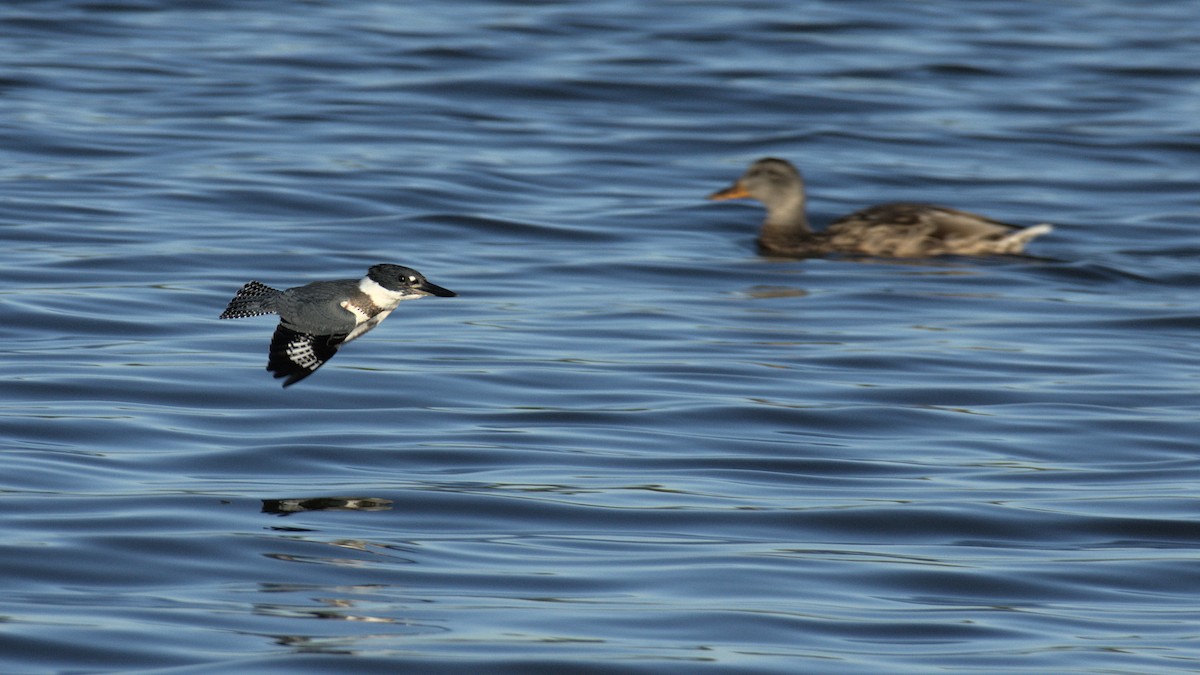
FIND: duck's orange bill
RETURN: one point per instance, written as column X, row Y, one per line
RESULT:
column 735, row 191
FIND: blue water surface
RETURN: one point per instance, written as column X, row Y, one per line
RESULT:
column 631, row 444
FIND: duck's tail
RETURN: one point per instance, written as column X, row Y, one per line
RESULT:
column 253, row 299
column 1015, row 242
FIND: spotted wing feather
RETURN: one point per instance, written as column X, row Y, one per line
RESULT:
column 296, row 355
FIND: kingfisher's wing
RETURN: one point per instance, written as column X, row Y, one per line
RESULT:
column 312, row 325
column 296, row 355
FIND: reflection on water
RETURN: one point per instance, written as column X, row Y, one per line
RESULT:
column 284, row 507
column 768, row 292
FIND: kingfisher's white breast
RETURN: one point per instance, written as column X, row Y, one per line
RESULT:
column 364, row 324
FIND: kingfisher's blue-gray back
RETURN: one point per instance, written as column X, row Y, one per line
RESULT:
column 318, row 318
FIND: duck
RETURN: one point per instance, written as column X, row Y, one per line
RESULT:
column 896, row 230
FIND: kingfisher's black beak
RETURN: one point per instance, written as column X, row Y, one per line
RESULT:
column 434, row 289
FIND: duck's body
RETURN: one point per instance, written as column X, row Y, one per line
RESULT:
column 892, row 230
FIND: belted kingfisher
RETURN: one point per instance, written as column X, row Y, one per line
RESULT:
column 317, row 318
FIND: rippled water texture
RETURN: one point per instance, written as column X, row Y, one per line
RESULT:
column 631, row 444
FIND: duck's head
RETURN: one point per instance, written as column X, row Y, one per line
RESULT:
column 775, row 183
column 769, row 180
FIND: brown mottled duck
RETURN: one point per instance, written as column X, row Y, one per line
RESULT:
column 891, row 230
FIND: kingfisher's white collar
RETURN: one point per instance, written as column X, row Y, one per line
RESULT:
column 382, row 297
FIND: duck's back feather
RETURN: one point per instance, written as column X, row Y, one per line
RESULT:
column 918, row 230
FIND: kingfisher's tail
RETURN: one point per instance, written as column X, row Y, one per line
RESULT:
column 253, row 299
